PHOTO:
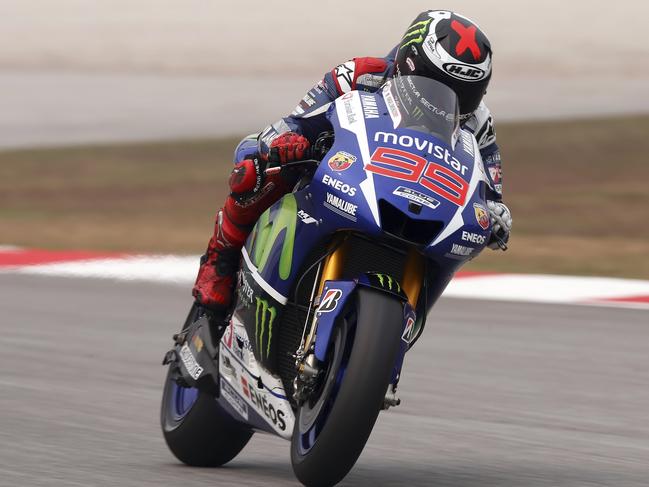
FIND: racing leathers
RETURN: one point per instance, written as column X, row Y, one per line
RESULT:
column 288, row 139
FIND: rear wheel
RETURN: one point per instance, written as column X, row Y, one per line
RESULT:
column 197, row 430
column 332, row 428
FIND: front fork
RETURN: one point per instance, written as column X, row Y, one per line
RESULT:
column 312, row 351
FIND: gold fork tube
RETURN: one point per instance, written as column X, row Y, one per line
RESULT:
column 331, row 270
column 333, row 265
column 413, row 276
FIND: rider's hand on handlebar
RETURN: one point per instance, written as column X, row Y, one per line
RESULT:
column 501, row 224
column 288, row 147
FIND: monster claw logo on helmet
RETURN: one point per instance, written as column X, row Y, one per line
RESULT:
column 341, row 161
column 449, row 48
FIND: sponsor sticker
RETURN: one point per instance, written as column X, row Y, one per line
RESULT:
column 465, row 72
column 265, row 315
column 393, row 110
column 193, row 369
column 386, row 281
column 245, row 387
column 416, row 196
column 341, row 207
column 467, row 143
column 245, row 289
column 227, row 367
column 410, row 63
column 408, row 334
column 227, row 335
column 349, row 109
column 440, row 153
column 330, row 300
column 341, row 161
column 305, row 217
column 475, row 238
column 234, row 400
column 261, row 403
column 481, row 215
column 461, row 250
column 339, row 185
column 496, row 174
column 370, row 108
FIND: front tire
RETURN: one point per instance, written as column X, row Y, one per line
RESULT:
column 197, row 430
column 362, row 370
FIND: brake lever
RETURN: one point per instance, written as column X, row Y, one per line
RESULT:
column 277, row 169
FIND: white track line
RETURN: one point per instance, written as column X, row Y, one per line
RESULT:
column 181, row 270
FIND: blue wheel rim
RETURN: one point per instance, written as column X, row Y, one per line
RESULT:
column 308, row 438
column 182, row 400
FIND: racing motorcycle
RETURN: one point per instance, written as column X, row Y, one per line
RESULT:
column 335, row 283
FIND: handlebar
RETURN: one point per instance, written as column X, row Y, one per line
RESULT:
column 289, row 165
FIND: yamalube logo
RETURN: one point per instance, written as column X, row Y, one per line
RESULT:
column 464, row 72
column 341, row 207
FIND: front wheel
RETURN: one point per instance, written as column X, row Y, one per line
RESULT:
column 332, row 428
column 197, row 430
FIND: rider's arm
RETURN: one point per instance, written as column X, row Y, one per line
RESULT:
column 309, row 117
column 482, row 126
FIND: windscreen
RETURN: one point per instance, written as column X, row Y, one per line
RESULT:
column 423, row 104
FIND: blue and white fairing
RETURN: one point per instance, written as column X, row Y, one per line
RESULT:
column 350, row 187
column 401, row 159
column 400, row 165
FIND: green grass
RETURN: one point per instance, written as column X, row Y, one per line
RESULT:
column 578, row 191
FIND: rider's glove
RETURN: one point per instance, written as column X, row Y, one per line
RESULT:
column 288, row 147
column 501, row 224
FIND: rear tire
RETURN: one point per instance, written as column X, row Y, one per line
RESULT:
column 197, row 430
column 363, row 375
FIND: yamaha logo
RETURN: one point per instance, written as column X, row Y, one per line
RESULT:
column 464, row 72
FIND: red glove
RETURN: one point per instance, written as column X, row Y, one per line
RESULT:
column 288, row 147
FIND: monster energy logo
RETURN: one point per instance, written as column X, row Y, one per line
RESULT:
column 264, row 319
column 416, row 33
column 387, row 279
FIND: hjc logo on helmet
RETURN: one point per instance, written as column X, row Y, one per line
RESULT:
column 464, row 72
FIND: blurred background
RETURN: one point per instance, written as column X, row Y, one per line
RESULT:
column 118, row 119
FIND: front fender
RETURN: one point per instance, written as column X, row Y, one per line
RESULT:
column 335, row 296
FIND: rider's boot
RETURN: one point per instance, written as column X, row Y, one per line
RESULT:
column 215, row 280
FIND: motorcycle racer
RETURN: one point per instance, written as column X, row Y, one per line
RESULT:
column 438, row 44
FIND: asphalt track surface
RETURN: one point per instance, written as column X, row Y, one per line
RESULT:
column 494, row 394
